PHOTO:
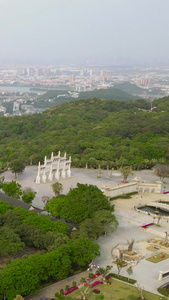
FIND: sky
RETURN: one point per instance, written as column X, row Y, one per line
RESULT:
column 84, row 31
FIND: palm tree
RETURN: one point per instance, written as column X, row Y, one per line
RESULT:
column 125, row 172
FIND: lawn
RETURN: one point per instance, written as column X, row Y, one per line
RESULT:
column 118, row 291
column 157, row 258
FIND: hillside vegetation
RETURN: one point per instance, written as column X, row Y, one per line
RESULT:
column 53, row 97
column 93, row 131
column 130, row 88
column 133, row 89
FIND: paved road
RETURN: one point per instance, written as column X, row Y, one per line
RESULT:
column 50, row 290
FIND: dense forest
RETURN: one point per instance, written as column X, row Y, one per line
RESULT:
column 92, row 131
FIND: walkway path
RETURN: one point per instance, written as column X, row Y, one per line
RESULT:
column 50, row 290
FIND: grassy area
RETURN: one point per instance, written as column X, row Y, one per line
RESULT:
column 118, row 291
column 157, row 258
column 164, row 290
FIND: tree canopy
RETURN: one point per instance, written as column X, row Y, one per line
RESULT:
column 93, row 131
column 57, row 188
column 79, row 204
column 62, row 254
column 161, row 171
column 12, row 189
column 10, row 242
column 28, row 195
column 17, row 166
column 25, row 276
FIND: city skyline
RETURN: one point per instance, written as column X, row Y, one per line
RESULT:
column 133, row 32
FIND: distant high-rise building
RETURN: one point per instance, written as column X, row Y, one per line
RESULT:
column 2, row 110
column 145, row 81
column 16, row 106
column 40, row 72
column 72, row 78
column 21, row 71
column 91, row 73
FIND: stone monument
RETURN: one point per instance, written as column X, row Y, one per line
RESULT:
column 54, row 168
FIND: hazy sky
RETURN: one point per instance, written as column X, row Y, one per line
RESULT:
column 105, row 31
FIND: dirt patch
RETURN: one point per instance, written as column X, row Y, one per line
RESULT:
column 25, row 252
column 128, row 256
column 158, row 244
column 132, row 255
column 151, row 248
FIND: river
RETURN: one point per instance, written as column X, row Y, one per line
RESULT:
column 27, row 89
column 11, row 88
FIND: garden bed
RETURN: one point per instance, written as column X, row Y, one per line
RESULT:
column 123, row 278
column 164, row 289
column 124, row 196
column 157, row 258
column 118, row 290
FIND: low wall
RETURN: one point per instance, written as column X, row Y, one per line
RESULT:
column 163, row 275
column 134, row 186
column 150, row 187
column 119, row 190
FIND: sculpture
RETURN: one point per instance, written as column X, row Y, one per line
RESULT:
column 54, row 168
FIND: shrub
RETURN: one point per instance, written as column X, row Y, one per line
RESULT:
column 107, row 277
column 28, row 195
column 74, row 283
column 96, row 291
column 123, row 278
column 19, row 297
column 72, row 289
column 61, row 291
column 96, row 283
column 91, row 275
column 83, row 279
column 101, row 270
column 108, row 281
column 59, row 296
column 67, row 287
column 124, row 196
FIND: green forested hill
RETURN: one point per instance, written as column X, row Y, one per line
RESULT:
column 92, row 130
column 133, row 89
column 130, row 88
column 162, row 104
column 53, row 97
column 108, row 94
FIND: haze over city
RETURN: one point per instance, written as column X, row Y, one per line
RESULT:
column 84, row 31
